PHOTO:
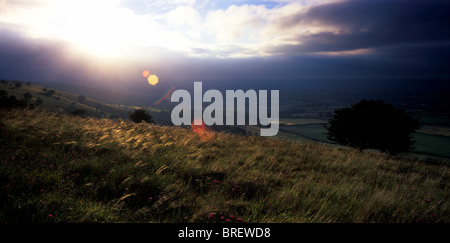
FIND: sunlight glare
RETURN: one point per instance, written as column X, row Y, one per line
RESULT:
column 94, row 26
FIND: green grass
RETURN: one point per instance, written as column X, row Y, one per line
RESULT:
column 60, row 168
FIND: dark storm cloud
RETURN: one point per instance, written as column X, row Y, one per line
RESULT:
column 32, row 59
column 369, row 23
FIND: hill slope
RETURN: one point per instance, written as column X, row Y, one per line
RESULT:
column 60, row 168
column 66, row 102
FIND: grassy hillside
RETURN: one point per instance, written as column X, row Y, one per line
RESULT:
column 60, row 168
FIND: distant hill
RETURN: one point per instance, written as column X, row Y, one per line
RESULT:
column 65, row 102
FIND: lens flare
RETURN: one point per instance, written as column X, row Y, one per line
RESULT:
column 145, row 74
column 198, row 128
column 165, row 96
column 153, row 79
column 204, row 133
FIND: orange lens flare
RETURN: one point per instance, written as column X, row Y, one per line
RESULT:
column 205, row 133
column 198, row 128
column 145, row 74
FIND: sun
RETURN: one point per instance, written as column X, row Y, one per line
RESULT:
column 105, row 28
column 94, row 27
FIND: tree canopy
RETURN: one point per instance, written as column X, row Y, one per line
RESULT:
column 373, row 124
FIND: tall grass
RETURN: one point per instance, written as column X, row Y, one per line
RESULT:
column 58, row 168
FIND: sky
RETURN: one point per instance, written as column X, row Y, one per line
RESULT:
column 111, row 42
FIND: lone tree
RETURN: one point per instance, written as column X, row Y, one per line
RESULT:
column 140, row 115
column 373, row 124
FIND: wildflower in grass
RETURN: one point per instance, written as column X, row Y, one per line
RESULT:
column 211, row 215
column 239, row 219
column 227, row 220
column 232, row 216
column 150, row 198
column 222, row 217
column 50, row 216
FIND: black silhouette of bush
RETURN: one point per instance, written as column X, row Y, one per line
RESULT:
column 11, row 102
column 3, row 94
column 79, row 112
column 373, row 124
column 140, row 115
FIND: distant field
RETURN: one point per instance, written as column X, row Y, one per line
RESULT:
column 425, row 143
column 313, row 132
column 301, row 121
column 435, row 130
column 291, row 136
column 432, row 144
column 435, row 120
